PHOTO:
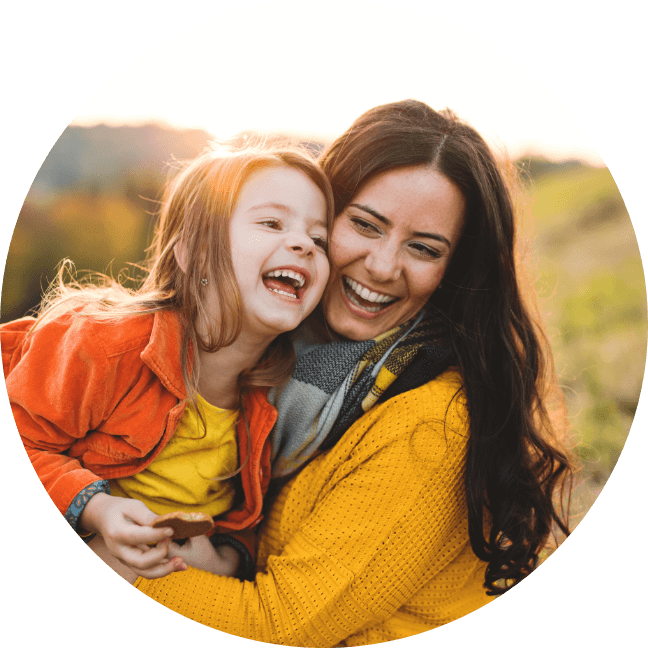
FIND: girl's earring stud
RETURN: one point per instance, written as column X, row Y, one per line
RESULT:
column 203, row 281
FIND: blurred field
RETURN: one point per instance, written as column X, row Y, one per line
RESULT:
column 591, row 286
column 94, row 202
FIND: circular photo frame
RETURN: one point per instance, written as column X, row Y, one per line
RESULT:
column 323, row 531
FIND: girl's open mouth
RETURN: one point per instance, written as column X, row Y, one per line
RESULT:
column 289, row 282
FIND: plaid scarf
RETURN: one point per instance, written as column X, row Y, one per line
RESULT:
column 334, row 384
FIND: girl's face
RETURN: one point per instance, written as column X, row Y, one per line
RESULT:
column 389, row 250
column 278, row 238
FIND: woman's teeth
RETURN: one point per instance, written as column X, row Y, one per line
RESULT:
column 355, row 290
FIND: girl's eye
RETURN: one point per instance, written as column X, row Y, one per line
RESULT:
column 271, row 223
column 320, row 242
column 364, row 227
column 425, row 251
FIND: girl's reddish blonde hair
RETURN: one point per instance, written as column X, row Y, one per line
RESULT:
column 195, row 209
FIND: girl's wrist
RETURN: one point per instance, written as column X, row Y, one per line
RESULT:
column 89, row 520
column 77, row 506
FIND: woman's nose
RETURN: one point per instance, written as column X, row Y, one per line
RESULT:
column 383, row 264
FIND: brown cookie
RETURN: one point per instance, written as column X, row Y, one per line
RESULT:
column 184, row 525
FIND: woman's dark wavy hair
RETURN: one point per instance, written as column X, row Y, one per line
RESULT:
column 516, row 465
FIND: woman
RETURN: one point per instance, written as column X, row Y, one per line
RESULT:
column 433, row 487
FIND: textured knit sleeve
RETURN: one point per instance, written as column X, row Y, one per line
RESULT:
column 377, row 518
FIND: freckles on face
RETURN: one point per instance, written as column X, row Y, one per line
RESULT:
column 390, row 248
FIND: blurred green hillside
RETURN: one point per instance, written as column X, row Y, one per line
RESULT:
column 592, row 292
column 94, row 201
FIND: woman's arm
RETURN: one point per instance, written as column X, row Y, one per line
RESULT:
column 201, row 553
column 373, row 514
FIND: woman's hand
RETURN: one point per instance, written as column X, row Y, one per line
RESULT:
column 124, row 525
column 200, row 553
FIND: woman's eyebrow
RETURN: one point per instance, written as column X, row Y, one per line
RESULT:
column 386, row 221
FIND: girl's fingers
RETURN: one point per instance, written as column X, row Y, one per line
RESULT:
column 145, row 562
column 163, row 569
column 134, row 535
column 142, row 557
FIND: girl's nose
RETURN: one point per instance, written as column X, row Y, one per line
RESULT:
column 300, row 243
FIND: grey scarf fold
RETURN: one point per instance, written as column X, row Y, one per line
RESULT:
column 333, row 384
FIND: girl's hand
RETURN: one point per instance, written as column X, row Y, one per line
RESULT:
column 200, row 553
column 124, row 525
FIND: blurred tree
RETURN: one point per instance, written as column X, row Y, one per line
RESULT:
column 97, row 231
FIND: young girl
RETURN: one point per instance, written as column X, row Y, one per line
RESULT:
column 132, row 404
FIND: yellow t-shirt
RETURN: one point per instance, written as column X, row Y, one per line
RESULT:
column 184, row 476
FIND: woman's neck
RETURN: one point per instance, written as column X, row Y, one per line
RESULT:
column 220, row 371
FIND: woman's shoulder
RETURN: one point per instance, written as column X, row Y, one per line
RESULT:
column 438, row 406
column 449, row 380
column 441, row 397
column 428, row 423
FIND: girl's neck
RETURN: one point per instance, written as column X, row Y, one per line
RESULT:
column 220, row 371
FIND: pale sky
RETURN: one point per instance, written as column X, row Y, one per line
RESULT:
column 276, row 75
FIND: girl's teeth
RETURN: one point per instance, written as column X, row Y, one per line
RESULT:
column 298, row 277
column 281, row 292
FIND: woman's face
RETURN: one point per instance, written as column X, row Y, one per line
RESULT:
column 389, row 250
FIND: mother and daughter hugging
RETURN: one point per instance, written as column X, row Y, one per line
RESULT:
column 349, row 335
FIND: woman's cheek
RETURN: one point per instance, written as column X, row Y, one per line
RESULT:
column 345, row 247
column 424, row 284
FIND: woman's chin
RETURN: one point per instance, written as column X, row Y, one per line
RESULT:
column 354, row 327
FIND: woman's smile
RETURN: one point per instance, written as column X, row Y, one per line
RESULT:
column 367, row 301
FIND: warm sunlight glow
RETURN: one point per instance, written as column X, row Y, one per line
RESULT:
column 280, row 84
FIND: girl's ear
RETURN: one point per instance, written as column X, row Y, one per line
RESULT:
column 180, row 254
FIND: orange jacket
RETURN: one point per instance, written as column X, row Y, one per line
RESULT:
column 96, row 400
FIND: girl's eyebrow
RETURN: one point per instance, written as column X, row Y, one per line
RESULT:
column 270, row 205
column 386, row 221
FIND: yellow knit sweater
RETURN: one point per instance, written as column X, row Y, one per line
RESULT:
column 368, row 543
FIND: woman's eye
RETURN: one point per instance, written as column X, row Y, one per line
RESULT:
column 271, row 223
column 425, row 251
column 364, row 227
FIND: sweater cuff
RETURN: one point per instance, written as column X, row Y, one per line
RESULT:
column 75, row 509
column 247, row 567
